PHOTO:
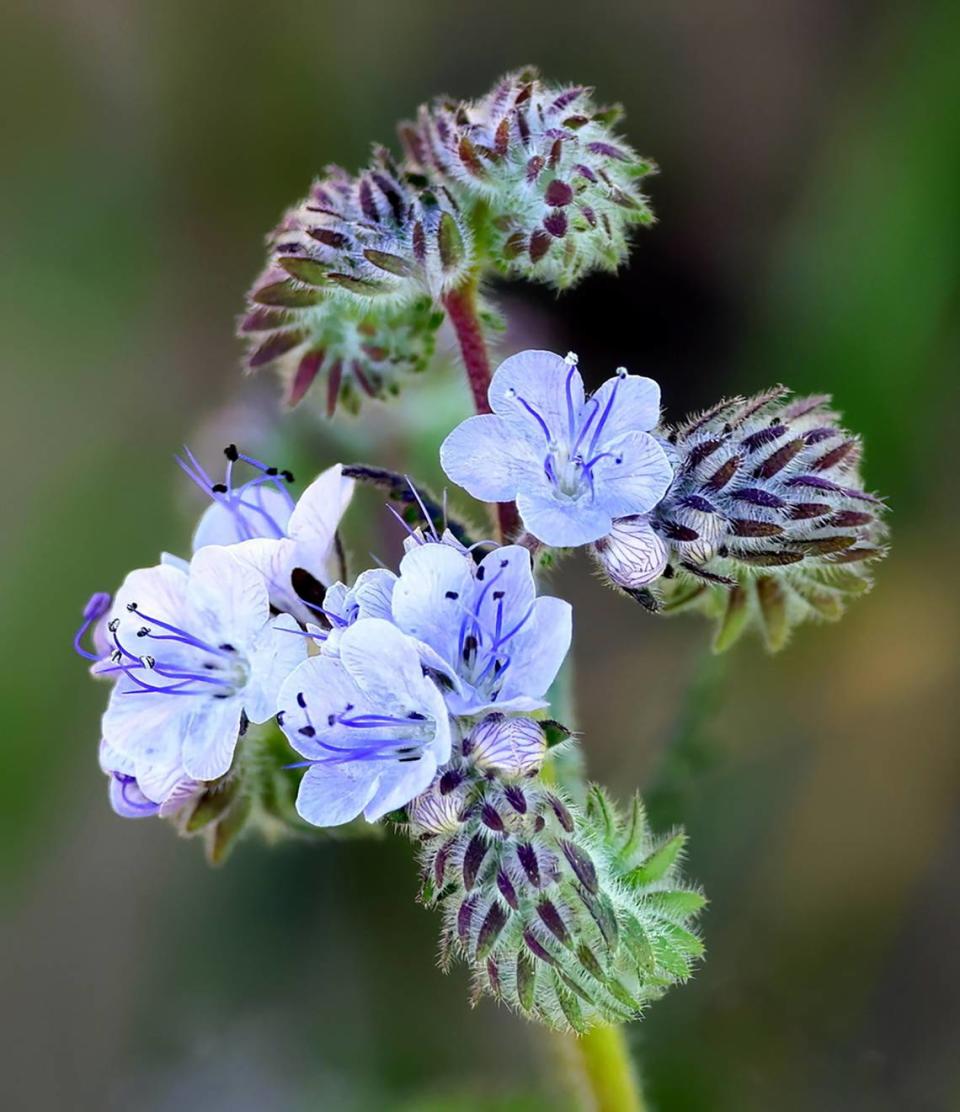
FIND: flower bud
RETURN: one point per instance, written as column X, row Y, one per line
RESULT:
column 632, row 554
column 560, row 186
column 766, row 523
column 572, row 917
column 512, row 746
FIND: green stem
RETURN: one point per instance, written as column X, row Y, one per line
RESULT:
column 604, row 1076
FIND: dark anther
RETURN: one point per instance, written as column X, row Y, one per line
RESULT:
column 331, row 719
column 226, row 647
column 469, row 646
column 452, row 594
column 307, row 731
column 219, row 488
column 416, row 716
column 498, row 595
column 231, row 453
column 221, row 695
column 148, row 661
column 272, row 471
column 280, row 716
column 131, row 606
column 407, row 760
column 114, row 625
column 116, row 656
column 244, row 722
column 143, row 631
column 481, row 572
column 310, row 589
column 287, row 476
column 504, row 563
column 209, row 665
column 301, row 702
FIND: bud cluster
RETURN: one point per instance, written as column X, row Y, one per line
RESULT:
column 766, row 523
column 560, row 187
column 529, row 180
column 571, row 917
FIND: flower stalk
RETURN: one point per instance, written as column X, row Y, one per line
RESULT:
column 462, row 309
column 603, row 1075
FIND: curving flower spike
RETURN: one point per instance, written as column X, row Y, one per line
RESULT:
column 195, row 655
column 354, row 349
column 572, row 464
column 571, row 917
column 372, row 727
column 766, row 524
column 355, row 272
column 560, row 187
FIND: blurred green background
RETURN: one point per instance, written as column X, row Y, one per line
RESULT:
column 809, row 206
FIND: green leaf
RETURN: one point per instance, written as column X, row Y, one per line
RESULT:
column 656, row 866
column 734, row 620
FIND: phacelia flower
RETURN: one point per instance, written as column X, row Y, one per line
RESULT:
column 195, row 655
column 372, row 727
column 571, row 463
column 492, row 642
column 766, row 522
column 293, row 544
column 559, row 186
column 127, row 798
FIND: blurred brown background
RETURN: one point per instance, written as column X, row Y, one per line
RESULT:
column 809, row 206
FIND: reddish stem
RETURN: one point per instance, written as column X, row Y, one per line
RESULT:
column 461, row 306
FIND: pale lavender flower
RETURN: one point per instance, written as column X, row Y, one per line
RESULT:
column 126, row 796
column 372, row 727
column 572, row 464
column 293, row 544
column 493, row 644
column 195, row 654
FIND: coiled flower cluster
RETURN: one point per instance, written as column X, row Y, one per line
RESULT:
column 571, row 916
column 562, row 189
column 529, row 180
column 766, row 523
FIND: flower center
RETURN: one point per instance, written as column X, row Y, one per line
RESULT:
column 572, row 453
column 179, row 663
column 484, row 649
column 402, row 737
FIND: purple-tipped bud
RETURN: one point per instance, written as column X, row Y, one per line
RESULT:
column 512, row 746
column 766, row 523
column 562, row 189
column 472, row 860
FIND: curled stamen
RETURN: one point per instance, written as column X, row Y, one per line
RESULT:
column 97, row 606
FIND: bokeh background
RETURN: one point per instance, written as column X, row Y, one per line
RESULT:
column 809, row 206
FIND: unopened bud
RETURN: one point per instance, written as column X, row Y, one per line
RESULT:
column 514, row 746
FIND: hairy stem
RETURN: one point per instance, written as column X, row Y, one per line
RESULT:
column 462, row 309
column 608, row 1082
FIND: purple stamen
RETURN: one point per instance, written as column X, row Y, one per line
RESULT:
column 97, row 605
column 536, row 416
column 621, row 375
column 187, row 638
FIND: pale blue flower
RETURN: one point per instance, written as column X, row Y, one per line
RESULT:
column 195, row 654
column 373, row 728
column 492, row 643
column 272, row 532
column 571, row 463
column 128, row 799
